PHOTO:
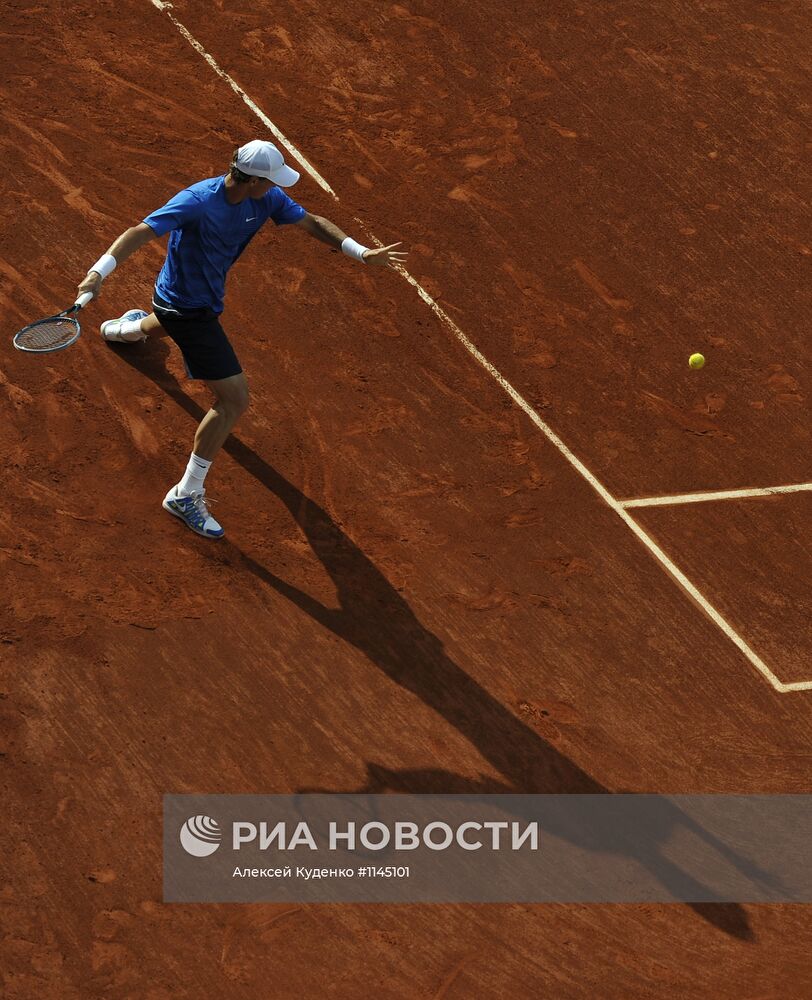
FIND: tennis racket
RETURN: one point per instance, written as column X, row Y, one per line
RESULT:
column 54, row 333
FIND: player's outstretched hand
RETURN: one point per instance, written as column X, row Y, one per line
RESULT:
column 387, row 256
column 92, row 283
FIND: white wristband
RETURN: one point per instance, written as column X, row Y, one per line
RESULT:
column 353, row 249
column 105, row 265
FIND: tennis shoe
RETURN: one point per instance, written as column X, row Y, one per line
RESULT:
column 111, row 328
column 191, row 508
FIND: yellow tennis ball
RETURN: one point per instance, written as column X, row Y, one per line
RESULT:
column 696, row 360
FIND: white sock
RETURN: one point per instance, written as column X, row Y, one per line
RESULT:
column 131, row 330
column 194, row 477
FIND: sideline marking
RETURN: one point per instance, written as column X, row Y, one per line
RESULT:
column 766, row 491
column 165, row 8
column 616, row 505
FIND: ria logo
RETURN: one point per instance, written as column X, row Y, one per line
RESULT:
column 200, row 836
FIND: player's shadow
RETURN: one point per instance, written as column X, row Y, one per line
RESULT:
column 374, row 617
column 620, row 833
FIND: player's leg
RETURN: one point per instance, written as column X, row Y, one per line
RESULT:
column 151, row 326
column 209, row 356
column 230, row 402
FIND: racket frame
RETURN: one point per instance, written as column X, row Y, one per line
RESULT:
column 67, row 314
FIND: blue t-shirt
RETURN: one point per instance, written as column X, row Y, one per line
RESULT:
column 207, row 235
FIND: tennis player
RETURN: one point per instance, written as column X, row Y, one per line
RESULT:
column 210, row 224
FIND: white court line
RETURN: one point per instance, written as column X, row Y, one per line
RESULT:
column 294, row 152
column 600, row 489
column 766, row 491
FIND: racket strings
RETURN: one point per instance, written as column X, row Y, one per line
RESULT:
column 48, row 335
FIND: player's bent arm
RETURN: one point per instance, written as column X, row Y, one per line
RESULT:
column 322, row 229
column 130, row 240
column 329, row 233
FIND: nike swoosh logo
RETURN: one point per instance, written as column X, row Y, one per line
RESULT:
column 253, row 217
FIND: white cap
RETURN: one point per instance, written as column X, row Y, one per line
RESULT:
column 262, row 159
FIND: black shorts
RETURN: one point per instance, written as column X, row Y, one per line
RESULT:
column 203, row 343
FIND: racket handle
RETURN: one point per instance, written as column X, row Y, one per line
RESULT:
column 83, row 299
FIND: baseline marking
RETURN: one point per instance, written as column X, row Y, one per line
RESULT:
column 766, row 491
column 617, row 506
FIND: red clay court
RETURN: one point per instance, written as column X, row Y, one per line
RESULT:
column 443, row 570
